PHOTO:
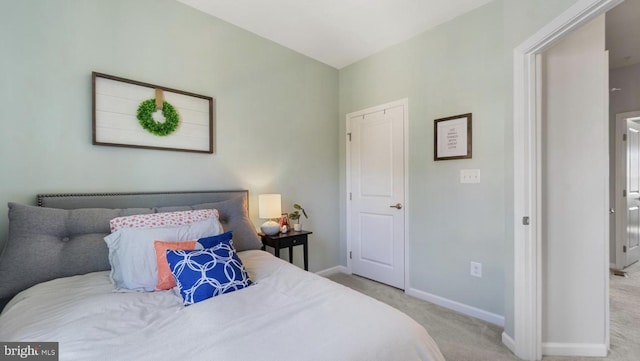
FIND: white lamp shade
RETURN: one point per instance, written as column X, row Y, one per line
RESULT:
column 269, row 206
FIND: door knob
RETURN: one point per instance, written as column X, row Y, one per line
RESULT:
column 397, row 206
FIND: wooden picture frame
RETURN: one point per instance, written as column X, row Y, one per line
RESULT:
column 452, row 137
column 115, row 123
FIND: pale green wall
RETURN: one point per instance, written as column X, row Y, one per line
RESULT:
column 464, row 65
column 444, row 72
column 276, row 128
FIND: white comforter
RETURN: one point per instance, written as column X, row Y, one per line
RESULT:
column 288, row 314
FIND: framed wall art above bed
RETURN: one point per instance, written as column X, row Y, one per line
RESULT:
column 129, row 113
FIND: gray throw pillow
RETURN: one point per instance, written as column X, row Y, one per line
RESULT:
column 234, row 217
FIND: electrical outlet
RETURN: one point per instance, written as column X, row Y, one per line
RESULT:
column 476, row 269
column 470, row 176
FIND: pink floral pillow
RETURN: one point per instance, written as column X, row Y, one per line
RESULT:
column 165, row 219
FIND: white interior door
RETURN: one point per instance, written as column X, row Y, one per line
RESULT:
column 376, row 225
column 628, row 176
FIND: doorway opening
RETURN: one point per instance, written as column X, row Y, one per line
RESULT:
column 625, row 235
column 528, row 231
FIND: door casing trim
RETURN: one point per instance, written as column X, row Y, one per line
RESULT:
column 527, row 338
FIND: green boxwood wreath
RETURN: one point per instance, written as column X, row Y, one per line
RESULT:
column 145, row 119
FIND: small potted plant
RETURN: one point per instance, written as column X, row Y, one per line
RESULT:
column 295, row 216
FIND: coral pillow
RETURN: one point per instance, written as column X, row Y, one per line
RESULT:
column 166, row 280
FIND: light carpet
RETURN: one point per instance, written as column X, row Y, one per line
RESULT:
column 464, row 338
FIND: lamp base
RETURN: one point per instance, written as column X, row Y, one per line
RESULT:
column 270, row 228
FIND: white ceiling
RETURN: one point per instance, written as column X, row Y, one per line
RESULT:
column 341, row 32
column 336, row 32
column 623, row 34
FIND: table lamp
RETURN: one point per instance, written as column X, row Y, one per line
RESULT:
column 270, row 208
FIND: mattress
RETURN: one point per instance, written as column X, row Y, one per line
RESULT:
column 287, row 314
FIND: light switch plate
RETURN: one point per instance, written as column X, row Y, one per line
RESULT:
column 470, row 176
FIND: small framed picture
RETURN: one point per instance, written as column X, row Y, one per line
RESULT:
column 452, row 137
column 284, row 220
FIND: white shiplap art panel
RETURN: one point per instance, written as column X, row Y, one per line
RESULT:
column 116, row 104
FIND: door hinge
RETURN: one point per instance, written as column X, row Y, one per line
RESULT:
column 525, row 220
column 624, row 249
column 350, row 196
column 624, row 137
column 349, row 135
column 624, row 192
column 350, row 255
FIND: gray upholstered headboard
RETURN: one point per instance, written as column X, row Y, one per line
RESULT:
column 64, row 236
column 138, row 199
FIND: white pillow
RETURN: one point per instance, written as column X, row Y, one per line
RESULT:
column 133, row 257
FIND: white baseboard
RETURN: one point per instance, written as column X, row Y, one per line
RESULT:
column 331, row 271
column 457, row 306
column 509, row 342
column 574, row 349
column 444, row 302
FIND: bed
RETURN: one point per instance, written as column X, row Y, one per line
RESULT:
column 58, row 286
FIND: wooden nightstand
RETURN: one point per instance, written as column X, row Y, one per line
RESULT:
column 288, row 240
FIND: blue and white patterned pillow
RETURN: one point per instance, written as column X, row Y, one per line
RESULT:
column 213, row 241
column 206, row 273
